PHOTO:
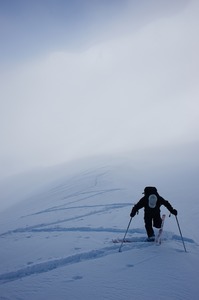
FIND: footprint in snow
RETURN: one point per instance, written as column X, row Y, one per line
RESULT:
column 74, row 278
column 130, row 265
column 77, row 277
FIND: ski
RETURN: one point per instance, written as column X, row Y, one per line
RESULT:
column 130, row 240
column 158, row 239
column 116, row 241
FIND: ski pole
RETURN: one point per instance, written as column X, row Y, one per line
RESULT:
column 125, row 234
column 181, row 234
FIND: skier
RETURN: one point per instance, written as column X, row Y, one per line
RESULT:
column 151, row 203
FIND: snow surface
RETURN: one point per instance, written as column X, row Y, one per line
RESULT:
column 57, row 243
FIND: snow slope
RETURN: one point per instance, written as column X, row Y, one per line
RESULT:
column 57, row 244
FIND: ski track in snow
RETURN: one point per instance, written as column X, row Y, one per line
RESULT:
column 42, row 267
column 57, row 263
column 62, row 207
column 40, row 227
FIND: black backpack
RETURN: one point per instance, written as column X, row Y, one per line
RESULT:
column 150, row 190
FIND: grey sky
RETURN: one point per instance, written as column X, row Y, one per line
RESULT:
column 99, row 83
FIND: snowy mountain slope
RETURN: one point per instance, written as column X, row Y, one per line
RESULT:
column 58, row 243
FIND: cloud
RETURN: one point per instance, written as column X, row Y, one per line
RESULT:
column 133, row 91
column 34, row 28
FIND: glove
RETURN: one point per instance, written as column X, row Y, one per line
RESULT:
column 133, row 213
column 174, row 212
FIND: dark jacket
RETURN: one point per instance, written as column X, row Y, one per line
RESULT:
column 152, row 209
column 144, row 203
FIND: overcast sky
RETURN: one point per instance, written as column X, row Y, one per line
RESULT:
column 80, row 78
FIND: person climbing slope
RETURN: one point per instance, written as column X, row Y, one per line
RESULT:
column 151, row 202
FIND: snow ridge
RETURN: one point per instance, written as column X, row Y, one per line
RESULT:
column 50, row 242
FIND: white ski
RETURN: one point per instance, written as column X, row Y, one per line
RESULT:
column 158, row 239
